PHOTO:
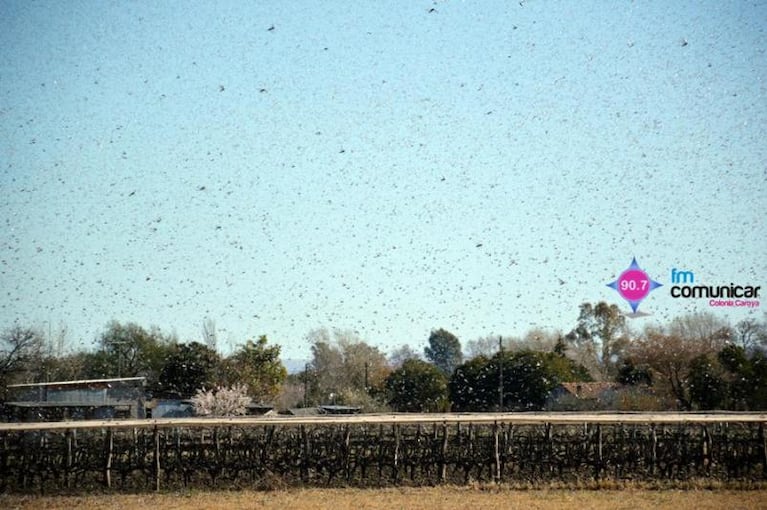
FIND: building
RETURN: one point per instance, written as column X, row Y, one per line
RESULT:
column 323, row 410
column 582, row 396
column 77, row 400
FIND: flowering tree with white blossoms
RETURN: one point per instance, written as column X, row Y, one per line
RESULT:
column 221, row 401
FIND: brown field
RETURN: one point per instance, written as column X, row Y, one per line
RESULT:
column 486, row 498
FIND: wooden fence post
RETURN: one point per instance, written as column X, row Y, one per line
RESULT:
column 304, row 454
column 599, row 449
column 706, row 449
column 69, row 434
column 156, row 459
column 654, row 450
column 549, row 446
column 443, row 459
column 396, row 452
column 108, row 447
column 380, row 451
column 508, row 439
column 347, row 453
column 497, row 453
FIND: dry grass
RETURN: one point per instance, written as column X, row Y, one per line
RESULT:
column 486, row 498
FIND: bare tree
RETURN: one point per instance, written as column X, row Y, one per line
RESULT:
column 20, row 349
column 485, row 346
column 704, row 328
column 669, row 352
column 751, row 334
column 209, row 334
column 401, row 354
column 345, row 366
column 536, row 339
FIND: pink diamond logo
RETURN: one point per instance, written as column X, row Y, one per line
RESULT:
column 634, row 285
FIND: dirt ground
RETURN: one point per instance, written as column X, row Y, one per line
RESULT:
column 406, row 498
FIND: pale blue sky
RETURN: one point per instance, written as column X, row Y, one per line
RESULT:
column 485, row 168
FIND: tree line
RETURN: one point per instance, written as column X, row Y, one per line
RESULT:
column 697, row 361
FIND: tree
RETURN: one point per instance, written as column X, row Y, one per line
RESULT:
column 745, row 377
column 751, row 334
column 669, row 352
column 345, row 370
column 364, row 366
column 401, row 355
column 600, row 338
column 258, row 367
column 484, row 346
column 704, row 329
column 527, row 379
column 209, row 335
column 325, row 371
column 668, row 357
column 67, row 367
column 630, row 374
column 729, row 379
column 444, row 351
column 472, row 386
column 128, row 350
column 417, row 386
column 757, row 398
column 708, row 389
column 221, row 401
column 20, row 350
column 536, row 339
column 188, row 368
column 560, row 347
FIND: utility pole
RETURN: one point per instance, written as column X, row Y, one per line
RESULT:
column 306, row 383
column 500, row 371
column 120, row 354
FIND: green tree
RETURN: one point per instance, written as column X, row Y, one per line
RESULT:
column 527, row 379
column 471, row 386
column 444, row 351
column 417, row 386
column 188, row 368
column 128, row 350
column 739, row 375
column 258, row 366
column 633, row 375
column 706, row 382
column 757, row 397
